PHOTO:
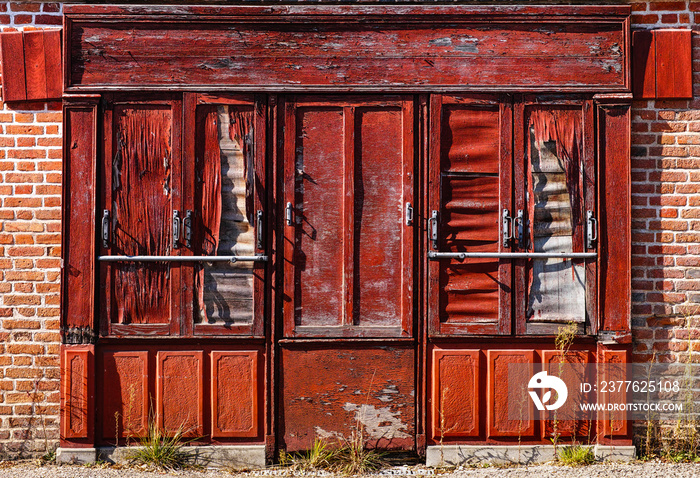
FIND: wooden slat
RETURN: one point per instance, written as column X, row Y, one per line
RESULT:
column 235, row 388
column 456, row 394
column 180, row 392
column 362, row 11
column 13, row 74
column 590, row 182
column 674, row 67
column 53, row 64
column 35, row 65
column 125, row 398
column 79, row 204
column 614, row 249
column 643, row 64
column 577, row 53
column 349, row 215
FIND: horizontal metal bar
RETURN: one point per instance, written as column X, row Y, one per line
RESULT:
column 511, row 255
column 182, row 258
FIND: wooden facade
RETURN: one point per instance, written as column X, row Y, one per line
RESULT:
column 337, row 152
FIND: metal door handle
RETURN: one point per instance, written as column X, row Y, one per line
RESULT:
column 433, row 229
column 259, row 229
column 187, row 223
column 507, row 227
column 105, row 229
column 591, row 229
column 519, row 223
column 288, row 213
column 409, row 214
column 176, row 229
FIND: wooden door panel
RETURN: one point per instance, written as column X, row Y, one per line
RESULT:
column 142, row 205
column 378, row 186
column 141, row 189
column 510, row 412
column 349, row 173
column 456, row 393
column 470, row 139
column 469, row 188
column 319, row 204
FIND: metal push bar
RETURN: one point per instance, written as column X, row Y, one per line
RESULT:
column 182, row 258
column 511, row 255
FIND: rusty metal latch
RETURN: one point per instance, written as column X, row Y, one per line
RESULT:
column 187, row 224
column 176, row 229
column 511, row 255
column 259, row 229
column 433, row 229
column 507, row 228
column 288, row 213
column 409, row 214
column 591, row 230
column 105, row 228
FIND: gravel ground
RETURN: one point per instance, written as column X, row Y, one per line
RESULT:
column 652, row 469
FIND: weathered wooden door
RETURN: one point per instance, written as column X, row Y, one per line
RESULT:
column 142, row 189
column 348, row 271
column 348, row 204
column 470, row 212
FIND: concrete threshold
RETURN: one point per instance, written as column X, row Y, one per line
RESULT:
column 456, row 455
column 219, row 456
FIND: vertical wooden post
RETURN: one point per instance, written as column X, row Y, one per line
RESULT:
column 78, row 325
column 615, row 234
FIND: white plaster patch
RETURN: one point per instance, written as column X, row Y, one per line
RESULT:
column 378, row 422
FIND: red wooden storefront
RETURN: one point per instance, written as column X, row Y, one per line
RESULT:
column 345, row 157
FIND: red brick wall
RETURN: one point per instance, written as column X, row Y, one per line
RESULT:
column 30, row 238
column 666, row 206
column 666, row 234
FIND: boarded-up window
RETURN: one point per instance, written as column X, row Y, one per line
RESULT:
column 229, row 215
column 556, row 287
column 555, row 190
column 224, row 172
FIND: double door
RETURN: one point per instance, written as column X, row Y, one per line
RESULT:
column 311, row 228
